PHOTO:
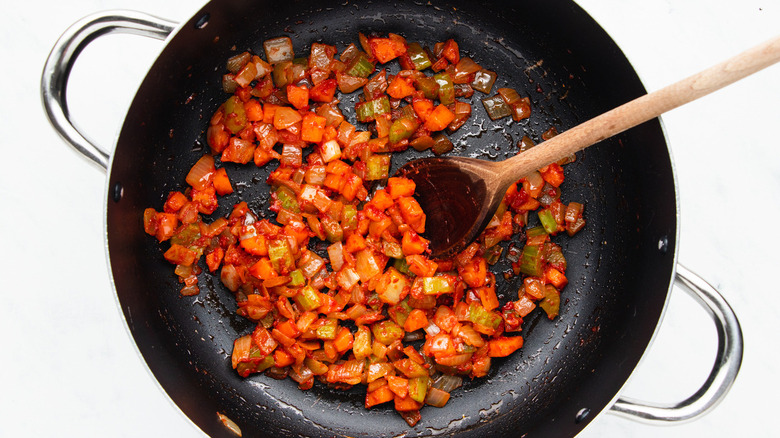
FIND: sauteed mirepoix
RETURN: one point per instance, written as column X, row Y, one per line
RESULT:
column 368, row 306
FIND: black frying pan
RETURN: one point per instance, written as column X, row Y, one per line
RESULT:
column 620, row 267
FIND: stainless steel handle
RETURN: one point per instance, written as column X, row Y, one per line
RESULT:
column 727, row 361
column 56, row 71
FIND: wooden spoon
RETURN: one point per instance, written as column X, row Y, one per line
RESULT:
column 460, row 195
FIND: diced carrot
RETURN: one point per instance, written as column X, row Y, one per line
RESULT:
column 386, row 49
column 398, row 187
column 381, row 200
column 555, row 277
column 282, row 358
column 381, row 395
column 439, row 118
column 222, row 182
column 423, row 108
column 504, row 346
column 285, row 117
column 324, row 91
column 412, row 243
column 254, row 110
column 474, row 273
column 406, row 404
column 312, row 128
column 400, row 87
column 553, row 174
column 416, row 320
column 298, row 96
column 399, row 385
column 355, row 243
column 487, row 295
column 421, row 266
column 180, row 255
column 263, row 269
column 344, row 340
column 451, row 51
column 214, row 258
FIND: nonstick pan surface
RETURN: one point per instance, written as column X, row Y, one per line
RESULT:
column 620, row 266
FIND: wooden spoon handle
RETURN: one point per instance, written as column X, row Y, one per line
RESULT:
column 642, row 109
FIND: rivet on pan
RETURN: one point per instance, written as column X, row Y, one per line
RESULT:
column 203, row 21
column 582, row 414
column 117, row 192
column 663, row 244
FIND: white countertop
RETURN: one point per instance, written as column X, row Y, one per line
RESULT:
column 69, row 367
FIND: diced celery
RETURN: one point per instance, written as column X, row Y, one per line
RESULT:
column 402, row 129
column 328, row 330
column 281, row 256
column 235, row 115
column 531, row 260
column 551, row 302
column 368, row 110
column 418, row 388
column 446, row 88
column 377, row 167
column 360, row 66
column 387, row 332
column 297, row 278
column 402, row 266
column 548, row 221
column 348, row 217
column 308, row 298
column 400, row 312
column 479, row 315
column 437, row 285
column 333, row 231
column 428, row 86
column 287, row 199
column 418, row 56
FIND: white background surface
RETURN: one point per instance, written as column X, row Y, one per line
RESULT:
column 69, row 367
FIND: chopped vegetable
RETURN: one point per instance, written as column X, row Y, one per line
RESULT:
column 348, row 312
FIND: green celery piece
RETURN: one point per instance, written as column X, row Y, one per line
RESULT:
column 348, row 217
column 548, row 221
column 377, row 167
column 479, row 315
column 437, row 285
column 418, row 56
column 400, row 312
column 235, row 119
column 281, row 256
column 446, row 88
column 418, row 388
column 535, row 231
column 551, row 303
column 531, row 260
column 308, row 298
column 360, row 66
column 387, row 332
column 402, row 267
column 429, row 87
column 333, row 231
column 287, row 198
column 297, row 278
column 328, row 330
column 401, row 129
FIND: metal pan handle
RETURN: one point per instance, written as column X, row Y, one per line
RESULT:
column 727, row 361
column 56, row 71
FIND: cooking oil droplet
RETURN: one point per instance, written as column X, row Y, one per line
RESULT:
column 663, row 245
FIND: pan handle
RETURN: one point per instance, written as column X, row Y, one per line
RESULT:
column 727, row 361
column 68, row 47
